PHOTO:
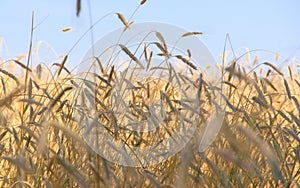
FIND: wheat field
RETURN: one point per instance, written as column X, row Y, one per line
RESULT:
column 44, row 111
column 41, row 143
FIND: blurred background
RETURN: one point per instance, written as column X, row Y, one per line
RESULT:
column 268, row 25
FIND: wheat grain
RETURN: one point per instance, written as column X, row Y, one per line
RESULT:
column 287, row 89
column 127, row 51
column 123, row 20
column 62, row 65
column 273, row 67
column 186, row 62
column 143, row 2
column 191, row 33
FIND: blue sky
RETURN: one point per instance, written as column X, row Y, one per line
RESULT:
column 270, row 24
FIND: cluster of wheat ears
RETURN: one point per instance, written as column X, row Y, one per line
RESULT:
column 42, row 143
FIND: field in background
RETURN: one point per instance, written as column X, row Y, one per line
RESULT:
column 41, row 143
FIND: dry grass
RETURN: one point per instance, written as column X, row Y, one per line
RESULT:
column 42, row 144
column 41, row 120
